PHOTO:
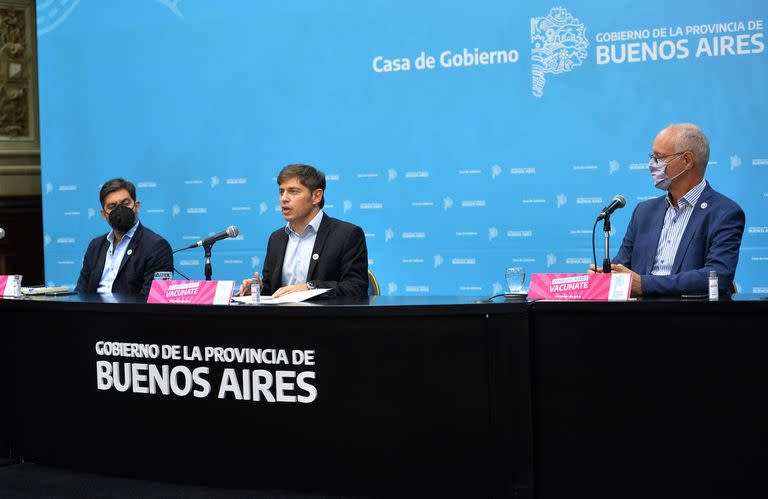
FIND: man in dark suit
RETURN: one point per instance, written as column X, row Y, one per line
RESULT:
column 125, row 259
column 674, row 241
column 313, row 250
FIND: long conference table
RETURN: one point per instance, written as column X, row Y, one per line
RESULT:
column 395, row 396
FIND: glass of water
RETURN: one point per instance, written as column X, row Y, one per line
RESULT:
column 515, row 277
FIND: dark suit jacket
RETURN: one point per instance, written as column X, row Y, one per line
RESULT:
column 711, row 241
column 342, row 262
column 149, row 253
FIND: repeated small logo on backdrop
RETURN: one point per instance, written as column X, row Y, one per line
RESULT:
column 473, row 203
column 735, row 161
column 551, row 260
column 437, row 261
column 522, row 171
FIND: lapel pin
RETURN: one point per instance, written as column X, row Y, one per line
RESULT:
column 315, row 256
column 704, row 205
column 130, row 252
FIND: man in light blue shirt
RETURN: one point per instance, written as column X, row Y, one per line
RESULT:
column 123, row 261
column 312, row 250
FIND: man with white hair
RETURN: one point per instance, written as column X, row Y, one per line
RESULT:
column 674, row 241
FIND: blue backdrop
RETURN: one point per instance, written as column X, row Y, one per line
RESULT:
column 464, row 137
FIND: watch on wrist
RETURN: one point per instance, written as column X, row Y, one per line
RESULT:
column 311, row 285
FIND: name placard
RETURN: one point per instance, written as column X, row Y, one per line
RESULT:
column 191, row 292
column 575, row 287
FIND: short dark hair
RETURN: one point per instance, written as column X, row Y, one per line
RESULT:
column 309, row 176
column 114, row 185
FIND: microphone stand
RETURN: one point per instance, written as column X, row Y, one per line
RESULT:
column 607, row 234
column 208, row 270
column 207, row 247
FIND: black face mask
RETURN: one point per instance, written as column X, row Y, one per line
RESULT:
column 122, row 218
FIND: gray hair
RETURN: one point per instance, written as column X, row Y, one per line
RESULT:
column 689, row 137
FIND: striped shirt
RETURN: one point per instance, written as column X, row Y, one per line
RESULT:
column 675, row 221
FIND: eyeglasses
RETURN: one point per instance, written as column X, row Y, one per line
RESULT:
column 128, row 203
column 656, row 158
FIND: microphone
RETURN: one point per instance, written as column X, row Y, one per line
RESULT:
column 618, row 202
column 230, row 232
column 2, row 233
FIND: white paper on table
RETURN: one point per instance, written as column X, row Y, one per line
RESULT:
column 295, row 297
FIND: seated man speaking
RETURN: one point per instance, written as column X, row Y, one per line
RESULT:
column 313, row 250
column 125, row 259
column 674, row 241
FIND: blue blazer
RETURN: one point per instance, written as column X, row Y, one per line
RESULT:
column 711, row 241
column 149, row 253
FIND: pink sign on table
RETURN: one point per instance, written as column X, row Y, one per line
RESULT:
column 10, row 285
column 574, row 287
column 191, row 292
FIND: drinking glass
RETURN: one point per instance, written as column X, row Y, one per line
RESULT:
column 515, row 277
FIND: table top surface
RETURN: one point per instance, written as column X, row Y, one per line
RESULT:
column 405, row 305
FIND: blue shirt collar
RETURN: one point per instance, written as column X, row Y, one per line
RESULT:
column 314, row 224
column 691, row 196
column 128, row 235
